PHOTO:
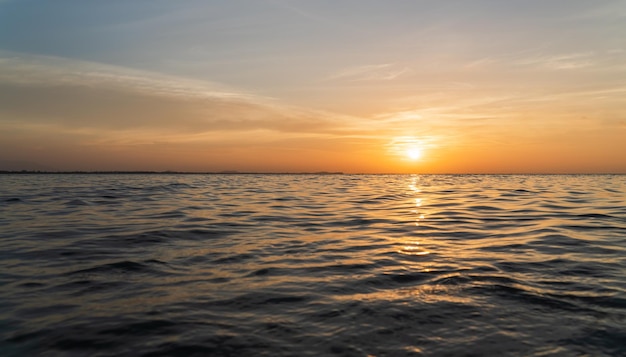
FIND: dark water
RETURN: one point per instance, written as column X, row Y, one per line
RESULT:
column 305, row 265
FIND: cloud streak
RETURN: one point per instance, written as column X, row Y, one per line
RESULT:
column 374, row 72
column 88, row 95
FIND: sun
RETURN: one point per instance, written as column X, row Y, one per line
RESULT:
column 410, row 148
column 413, row 152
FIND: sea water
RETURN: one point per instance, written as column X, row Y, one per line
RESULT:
column 312, row 265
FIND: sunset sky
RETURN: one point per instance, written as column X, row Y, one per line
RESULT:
column 359, row 86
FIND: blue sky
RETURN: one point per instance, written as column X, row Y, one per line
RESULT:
column 344, row 77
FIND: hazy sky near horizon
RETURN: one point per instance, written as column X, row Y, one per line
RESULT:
column 312, row 85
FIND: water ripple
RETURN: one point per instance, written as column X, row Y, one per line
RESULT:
column 310, row 265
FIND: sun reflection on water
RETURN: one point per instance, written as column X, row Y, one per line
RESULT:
column 413, row 247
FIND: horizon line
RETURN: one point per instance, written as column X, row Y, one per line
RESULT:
column 234, row 172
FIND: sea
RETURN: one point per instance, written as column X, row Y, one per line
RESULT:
column 312, row 265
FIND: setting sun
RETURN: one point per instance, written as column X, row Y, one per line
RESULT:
column 410, row 148
column 414, row 152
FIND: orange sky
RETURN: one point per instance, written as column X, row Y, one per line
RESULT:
column 276, row 86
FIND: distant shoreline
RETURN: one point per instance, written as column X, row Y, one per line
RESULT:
column 37, row 172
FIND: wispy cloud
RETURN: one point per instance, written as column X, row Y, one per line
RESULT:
column 374, row 72
column 73, row 94
column 47, row 70
column 560, row 62
column 481, row 63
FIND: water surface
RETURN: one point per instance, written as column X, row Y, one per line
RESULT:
column 310, row 265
